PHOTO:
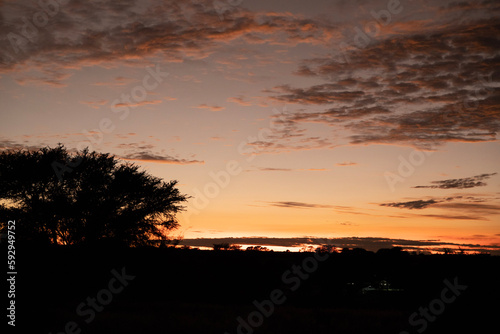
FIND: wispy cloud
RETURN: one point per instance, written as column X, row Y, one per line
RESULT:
column 315, row 169
column 369, row 243
column 239, row 100
column 118, row 81
column 299, row 205
column 456, row 207
column 397, row 90
column 139, row 104
column 289, row 141
column 420, row 204
column 348, row 224
column 12, row 145
column 143, row 151
column 51, row 78
column 472, row 207
column 95, row 104
column 125, row 135
column 211, row 108
column 133, row 32
column 346, row 163
column 454, row 217
column 274, row 169
column 467, row 182
column 145, row 156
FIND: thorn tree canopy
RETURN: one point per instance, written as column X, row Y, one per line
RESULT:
column 84, row 198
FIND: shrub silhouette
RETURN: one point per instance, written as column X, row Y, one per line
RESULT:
column 226, row 246
column 325, row 249
column 257, row 249
column 84, row 198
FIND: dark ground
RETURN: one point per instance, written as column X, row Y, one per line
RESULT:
column 189, row 291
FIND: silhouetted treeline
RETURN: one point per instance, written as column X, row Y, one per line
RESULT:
column 187, row 290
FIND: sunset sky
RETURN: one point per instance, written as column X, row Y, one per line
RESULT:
column 372, row 120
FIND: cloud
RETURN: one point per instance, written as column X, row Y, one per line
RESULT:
column 299, row 205
column 348, row 224
column 145, row 156
column 135, row 146
column 420, row 204
column 12, row 145
column 95, row 104
column 403, row 87
column 47, row 77
column 472, row 207
column 139, row 104
column 368, row 243
column 239, row 100
column 468, row 182
column 135, row 32
column 346, row 163
column 455, row 207
column 211, row 108
column 315, row 169
column 273, row 169
column 318, row 94
column 126, row 135
column 174, row 139
column 282, row 141
column 454, row 217
column 118, row 81
column 142, row 151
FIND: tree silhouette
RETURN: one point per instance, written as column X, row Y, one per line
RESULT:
column 221, row 246
column 257, row 249
column 84, row 198
column 325, row 249
column 226, row 246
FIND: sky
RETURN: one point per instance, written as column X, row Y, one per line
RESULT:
column 363, row 122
